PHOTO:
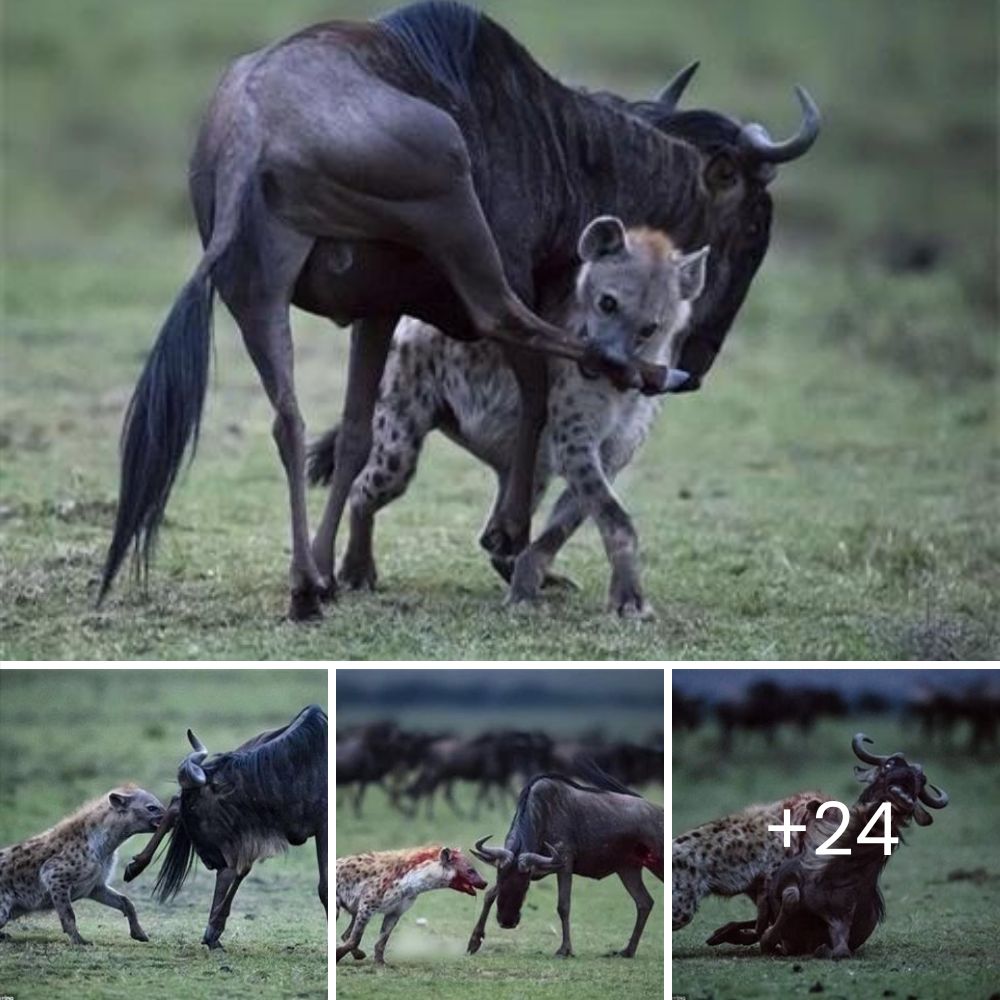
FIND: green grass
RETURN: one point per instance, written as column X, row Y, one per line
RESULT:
column 68, row 736
column 938, row 938
column 514, row 964
column 832, row 492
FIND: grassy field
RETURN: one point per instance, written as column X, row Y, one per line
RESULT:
column 69, row 736
column 942, row 888
column 832, row 492
column 514, row 964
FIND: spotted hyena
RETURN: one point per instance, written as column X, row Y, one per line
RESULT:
column 76, row 859
column 633, row 288
column 735, row 854
column 388, row 882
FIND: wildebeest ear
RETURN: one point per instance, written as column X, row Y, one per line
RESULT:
column 692, row 273
column 119, row 801
column 721, row 173
column 445, row 855
column 603, row 237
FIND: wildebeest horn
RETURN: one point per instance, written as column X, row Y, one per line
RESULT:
column 526, row 861
column 755, row 138
column 937, row 799
column 498, row 856
column 195, row 742
column 857, row 744
column 190, row 773
column 671, row 93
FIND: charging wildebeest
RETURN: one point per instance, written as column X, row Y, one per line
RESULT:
column 598, row 829
column 243, row 806
column 422, row 164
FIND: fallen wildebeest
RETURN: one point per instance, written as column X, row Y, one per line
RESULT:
column 633, row 286
column 829, row 904
column 594, row 830
column 389, row 882
column 422, row 164
column 76, row 859
column 243, row 806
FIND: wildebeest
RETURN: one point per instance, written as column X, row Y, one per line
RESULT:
column 829, row 904
column 632, row 285
column 422, row 164
column 596, row 829
column 242, row 806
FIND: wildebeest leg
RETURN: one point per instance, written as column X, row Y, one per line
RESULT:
column 632, row 880
column 227, row 881
column 259, row 300
column 839, row 929
column 508, row 529
column 321, row 862
column 389, row 921
column 449, row 797
column 479, row 931
column 141, row 861
column 736, row 932
column 359, row 797
column 370, row 341
column 565, row 880
column 107, row 896
column 531, row 566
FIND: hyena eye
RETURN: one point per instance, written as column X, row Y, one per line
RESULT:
column 648, row 330
column 608, row 304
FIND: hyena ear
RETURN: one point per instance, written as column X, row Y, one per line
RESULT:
column 692, row 269
column 445, row 855
column 119, row 801
column 603, row 237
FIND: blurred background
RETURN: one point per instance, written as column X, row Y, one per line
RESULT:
column 870, row 457
column 757, row 736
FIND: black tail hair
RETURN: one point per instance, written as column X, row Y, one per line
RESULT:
column 176, row 865
column 164, row 414
column 323, row 458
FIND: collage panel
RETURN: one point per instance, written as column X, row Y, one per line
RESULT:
column 537, row 793
column 834, row 832
column 163, row 834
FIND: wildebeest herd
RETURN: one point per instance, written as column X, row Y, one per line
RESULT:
column 233, row 809
column 424, row 165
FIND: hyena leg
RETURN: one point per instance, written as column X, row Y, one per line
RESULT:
column 59, row 893
column 390, row 921
column 400, row 426
column 107, row 896
column 357, row 953
column 353, row 938
column 4, row 917
column 532, row 565
column 770, row 941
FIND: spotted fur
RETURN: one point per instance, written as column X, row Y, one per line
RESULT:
column 735, row 854
column 389, row 882
column 76, row 859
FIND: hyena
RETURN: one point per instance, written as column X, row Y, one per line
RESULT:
column 389, row 882
column 632, row 282
column 76, row 859
column 735, row 854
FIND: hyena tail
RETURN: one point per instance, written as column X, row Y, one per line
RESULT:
column 323, row 458
column 176, row 866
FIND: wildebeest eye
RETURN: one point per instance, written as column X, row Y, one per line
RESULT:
column 648, row 330
column 607, row 304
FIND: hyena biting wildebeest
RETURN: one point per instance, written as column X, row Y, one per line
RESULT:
column 76, row 859
column 633, row 286
column 389, row 882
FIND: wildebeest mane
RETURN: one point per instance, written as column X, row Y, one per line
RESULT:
column 522, row 835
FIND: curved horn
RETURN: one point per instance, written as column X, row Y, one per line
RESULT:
column 754, row 137
column 195, row 742
column 671, row 93
column 190, row 773
column 937, row 799
column 866, row 755
column 528, row 862
column 500, row 857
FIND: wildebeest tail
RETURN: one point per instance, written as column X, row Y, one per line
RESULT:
column 164, row 414
column 323, row 458
column 176, row 865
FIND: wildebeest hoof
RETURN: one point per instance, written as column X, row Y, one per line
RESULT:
column 474, row 942
column 497, row 542
column 304, row 606
column 212, row 944
column 328, row 590
column 131, row 870
column 623, row 953
column 565, row 953
column 520, row 598
column 634, row 608
column 556, row 581
column 357, row 575
column 141, row 936
column 80, row 940
column 359, row 955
